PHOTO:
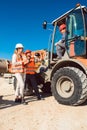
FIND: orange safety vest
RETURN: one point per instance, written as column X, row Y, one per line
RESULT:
column 30, row 68
column 19, row 67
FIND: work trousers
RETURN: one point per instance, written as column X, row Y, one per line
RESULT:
column 32, row 79
column 20, row 84
column 60, row 48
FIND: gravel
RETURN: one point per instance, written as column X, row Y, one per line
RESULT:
column 45, row 114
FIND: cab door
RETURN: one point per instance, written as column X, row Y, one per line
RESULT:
column 75, row 29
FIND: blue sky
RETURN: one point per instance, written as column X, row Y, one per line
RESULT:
column 21, row 21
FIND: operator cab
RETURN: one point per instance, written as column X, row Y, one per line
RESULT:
column 76, row 27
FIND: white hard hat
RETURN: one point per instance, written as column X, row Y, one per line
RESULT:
column 19, row 45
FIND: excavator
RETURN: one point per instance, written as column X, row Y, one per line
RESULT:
column 67, row 77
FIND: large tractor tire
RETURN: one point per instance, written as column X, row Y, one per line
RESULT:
column 69, row 86
column 28, row 90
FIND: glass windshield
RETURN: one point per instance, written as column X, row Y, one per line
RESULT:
column 85, row 15
column 79, row 28
column 57, row 37
column 75, row 28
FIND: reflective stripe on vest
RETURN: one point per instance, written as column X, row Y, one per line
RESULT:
column 19, row 67
column 31, row 70
column 30, row 67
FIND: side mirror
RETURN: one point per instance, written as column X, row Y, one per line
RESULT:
column 44, row 24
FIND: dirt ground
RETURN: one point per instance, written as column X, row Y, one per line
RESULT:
column 38, row 115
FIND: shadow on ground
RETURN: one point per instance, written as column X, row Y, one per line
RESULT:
column 34, row 98
column 6, row 103
column 10, row 103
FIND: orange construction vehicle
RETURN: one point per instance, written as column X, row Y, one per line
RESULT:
column 68, row 75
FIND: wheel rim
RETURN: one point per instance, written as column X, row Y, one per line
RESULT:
column 65, row 87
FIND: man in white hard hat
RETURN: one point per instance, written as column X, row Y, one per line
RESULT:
column 18, row 69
